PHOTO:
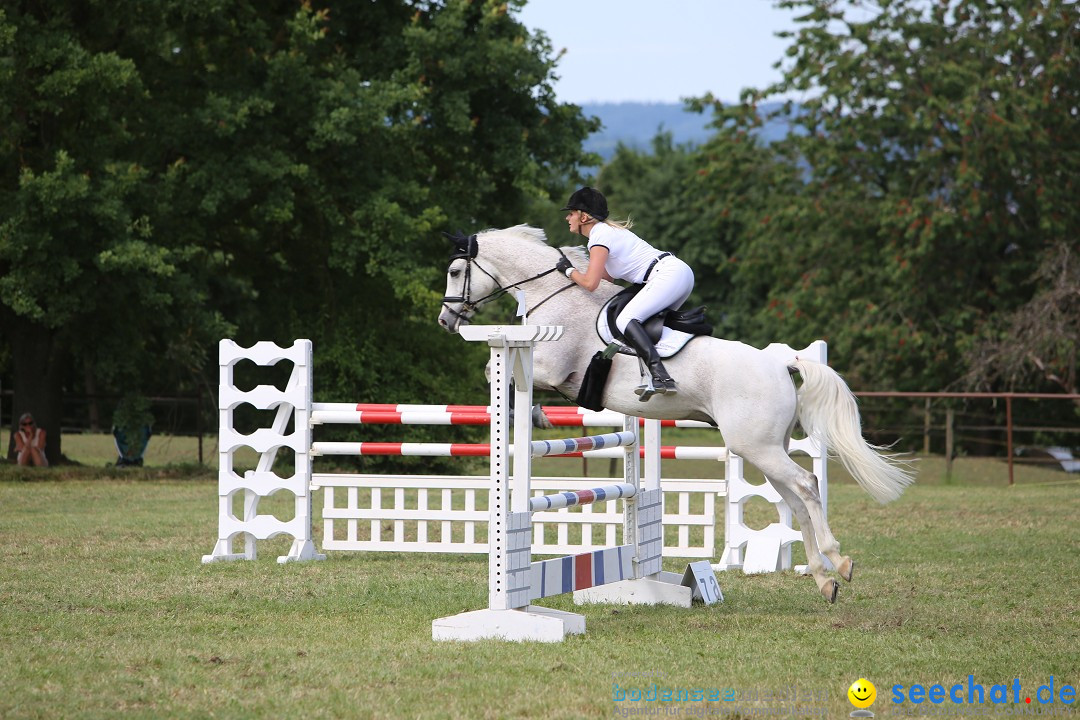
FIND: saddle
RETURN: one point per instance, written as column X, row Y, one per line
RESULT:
column 687, row 325
column 692, row 321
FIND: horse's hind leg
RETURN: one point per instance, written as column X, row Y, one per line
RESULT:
column 826, row 585
column 807, row 488
column 798, row 488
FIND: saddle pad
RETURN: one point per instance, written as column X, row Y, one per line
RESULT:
column 671, row 341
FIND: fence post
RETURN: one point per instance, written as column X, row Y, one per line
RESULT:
column 926, row 428
column 948, row 442
column 1009, row 434
column 198, row 420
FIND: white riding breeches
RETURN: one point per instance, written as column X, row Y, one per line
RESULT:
column 667, row 288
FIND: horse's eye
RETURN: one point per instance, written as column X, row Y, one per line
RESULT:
column 454, row 273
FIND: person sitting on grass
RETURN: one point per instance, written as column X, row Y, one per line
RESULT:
column 30, row 443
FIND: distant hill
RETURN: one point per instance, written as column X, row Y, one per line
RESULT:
column 636, row 124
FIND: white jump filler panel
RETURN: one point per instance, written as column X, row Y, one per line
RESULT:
column 292, row 406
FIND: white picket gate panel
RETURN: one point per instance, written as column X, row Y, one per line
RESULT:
column 439, row 513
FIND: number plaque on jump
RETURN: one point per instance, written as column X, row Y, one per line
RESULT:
column 700, row 577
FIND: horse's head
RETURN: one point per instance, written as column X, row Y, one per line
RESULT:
column 487, row 266
column 468, row 284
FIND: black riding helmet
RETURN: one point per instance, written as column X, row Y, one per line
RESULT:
column 588, row 200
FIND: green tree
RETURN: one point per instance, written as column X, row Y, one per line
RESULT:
column 938, row 151
column 180, row 171
column 82, row 271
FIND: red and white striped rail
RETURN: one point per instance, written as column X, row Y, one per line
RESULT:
column 418, row 449
column 413, row 414
column 404, row 414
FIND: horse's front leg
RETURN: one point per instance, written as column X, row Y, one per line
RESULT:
column 540, row 419
column 556, row 374
column 540, row 382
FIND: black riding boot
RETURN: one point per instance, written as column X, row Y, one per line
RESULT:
column 639, row 340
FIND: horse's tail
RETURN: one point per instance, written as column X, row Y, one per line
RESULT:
column 828, row 412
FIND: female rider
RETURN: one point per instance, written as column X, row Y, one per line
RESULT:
column 617, row 253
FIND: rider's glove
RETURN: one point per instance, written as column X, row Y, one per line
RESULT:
column 564, row 266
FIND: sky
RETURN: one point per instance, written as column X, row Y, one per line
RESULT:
column 660, row 50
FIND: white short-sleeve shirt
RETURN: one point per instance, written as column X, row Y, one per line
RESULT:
column 628, row 255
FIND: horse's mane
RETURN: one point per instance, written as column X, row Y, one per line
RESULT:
column 537, row 237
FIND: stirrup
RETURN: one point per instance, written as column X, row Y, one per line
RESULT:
column 646, row 389
column 644, row 392
column 649, row 387
column 652, row 384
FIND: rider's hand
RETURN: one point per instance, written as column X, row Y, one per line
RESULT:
column 564, row 266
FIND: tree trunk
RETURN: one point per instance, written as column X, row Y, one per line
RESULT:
column 38, row 383
column 93, row 409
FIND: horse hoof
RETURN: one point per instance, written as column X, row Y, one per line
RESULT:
column 540, row 418
column 847, row 569
column 829, row 590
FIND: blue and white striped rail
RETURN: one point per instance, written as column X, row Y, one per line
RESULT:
column 582, row 497
column 543, row 448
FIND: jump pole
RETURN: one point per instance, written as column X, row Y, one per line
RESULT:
column 512, row 576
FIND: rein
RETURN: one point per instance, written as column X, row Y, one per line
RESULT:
column 537, row 306
column 468, row 252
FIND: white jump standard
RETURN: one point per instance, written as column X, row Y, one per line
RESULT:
column 291, row 404
column 513, row 580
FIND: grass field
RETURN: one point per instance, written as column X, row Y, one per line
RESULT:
column 98, row 450
column 105, row 610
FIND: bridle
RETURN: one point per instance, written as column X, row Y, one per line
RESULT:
column 466, row 248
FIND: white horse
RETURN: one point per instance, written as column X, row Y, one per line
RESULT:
column 748, row 395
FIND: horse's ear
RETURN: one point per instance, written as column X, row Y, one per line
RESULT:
column 464, row 246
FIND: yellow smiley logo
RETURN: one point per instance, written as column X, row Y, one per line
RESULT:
column 862, row 693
